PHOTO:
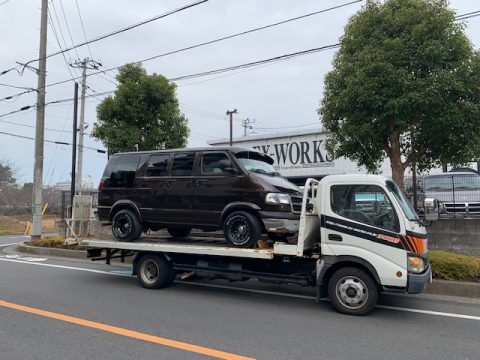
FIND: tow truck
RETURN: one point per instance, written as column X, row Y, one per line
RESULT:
column 358, row 236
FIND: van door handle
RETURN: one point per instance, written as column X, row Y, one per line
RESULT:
column 201, row 182
column 334, row 237
column 170, row 182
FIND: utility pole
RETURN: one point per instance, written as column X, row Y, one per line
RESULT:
column 85, row 64
column 74, row 142
column 231, row 123
column 40, row 127
column 245, row 124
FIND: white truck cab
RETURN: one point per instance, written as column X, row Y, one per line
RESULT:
column 365, row 220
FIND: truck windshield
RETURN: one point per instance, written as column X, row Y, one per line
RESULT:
column 402, row 200
column 255, row 162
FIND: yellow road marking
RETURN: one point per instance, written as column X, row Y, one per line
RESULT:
column 128, row 333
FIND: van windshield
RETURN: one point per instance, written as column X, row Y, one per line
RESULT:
column 256, row 162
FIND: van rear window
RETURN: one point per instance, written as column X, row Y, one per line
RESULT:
column 158, row 165
column 183, row 164
column 122, row 170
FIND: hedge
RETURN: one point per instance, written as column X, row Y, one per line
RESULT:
column 456, row 267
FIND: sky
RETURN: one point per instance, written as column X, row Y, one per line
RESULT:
column 279, row 96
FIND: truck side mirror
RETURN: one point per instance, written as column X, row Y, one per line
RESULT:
column 227, row 166
column 432, row 209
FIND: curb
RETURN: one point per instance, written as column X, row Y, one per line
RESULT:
column 44, row 251
column 454, row 288
column 437, row 287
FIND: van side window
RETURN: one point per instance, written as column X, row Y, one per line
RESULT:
column 183, row 164
column 123, row 170
column 211, row 162
column 158, row 165
column 367, row 204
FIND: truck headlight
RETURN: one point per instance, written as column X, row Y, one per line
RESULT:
column 277, row 198
column 416, row 264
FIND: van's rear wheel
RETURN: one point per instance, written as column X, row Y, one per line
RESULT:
column 126, row 226
column 242, row 229
column 179, row 232
column 352, row 291
column 155, row 272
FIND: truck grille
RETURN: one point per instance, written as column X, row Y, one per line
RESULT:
column 297, row 204
column 463, row 208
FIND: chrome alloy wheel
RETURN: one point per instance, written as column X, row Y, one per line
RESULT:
column 149, row 271
column 351, row 292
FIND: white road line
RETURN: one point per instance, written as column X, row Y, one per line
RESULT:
column 5, row 245
column 430, row 312
column 64, row 267
column 119, row 273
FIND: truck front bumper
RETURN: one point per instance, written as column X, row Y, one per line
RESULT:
column 280, row 222
column 418, row 282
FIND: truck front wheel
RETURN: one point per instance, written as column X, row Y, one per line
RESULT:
column 155, row 272
column 352, row 291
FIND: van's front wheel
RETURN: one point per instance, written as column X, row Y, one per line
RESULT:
column 126, row 226
column 242, row 229
column 352, row 291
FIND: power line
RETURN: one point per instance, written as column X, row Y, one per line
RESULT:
column 210, row 72
column 218, row 39
column 116, row 32
column 16, row 87
column 68, row 29
column 83, row 28
column 255, row 63
column 50, row 141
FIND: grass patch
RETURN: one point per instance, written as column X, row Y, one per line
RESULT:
column 456, row 267
column 57, row 242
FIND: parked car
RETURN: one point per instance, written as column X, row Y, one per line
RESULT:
column 231, row 188
column 459, row 192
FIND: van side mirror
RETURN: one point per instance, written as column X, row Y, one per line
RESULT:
column 227, row 166
column 432, row 209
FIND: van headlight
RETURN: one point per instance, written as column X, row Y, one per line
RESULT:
column 416, row 264
column 277, row 198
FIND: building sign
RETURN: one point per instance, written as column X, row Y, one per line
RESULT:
column 298, row 153
column 295, row 154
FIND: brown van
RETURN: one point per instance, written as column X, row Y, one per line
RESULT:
column 231, row 188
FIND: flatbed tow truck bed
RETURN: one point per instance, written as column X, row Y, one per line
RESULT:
column 192, row 245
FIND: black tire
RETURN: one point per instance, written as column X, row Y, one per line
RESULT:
column 242, row 229
column 179, row 232
column 126, row 226
column 352, row 291
column 154, row 271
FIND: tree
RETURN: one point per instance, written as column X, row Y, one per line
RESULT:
column 144, row 111
column 405, row 85
column 7, row 174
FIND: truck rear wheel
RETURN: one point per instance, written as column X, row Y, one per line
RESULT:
column 242, row 229
column 352, row 291
column 155, row 272
column 126, row 226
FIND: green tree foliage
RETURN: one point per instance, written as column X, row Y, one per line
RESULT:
column 405, row 85
column 7, row 174
column 144, row 110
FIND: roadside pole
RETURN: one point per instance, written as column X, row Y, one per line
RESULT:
column 74, row 142
column 231, row 123
column 39, row 128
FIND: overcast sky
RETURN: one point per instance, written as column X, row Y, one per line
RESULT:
column 280, row 96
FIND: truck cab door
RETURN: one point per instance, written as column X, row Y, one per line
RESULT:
column 361, row 220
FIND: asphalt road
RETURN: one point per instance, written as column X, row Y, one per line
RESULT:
column 69, row 309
